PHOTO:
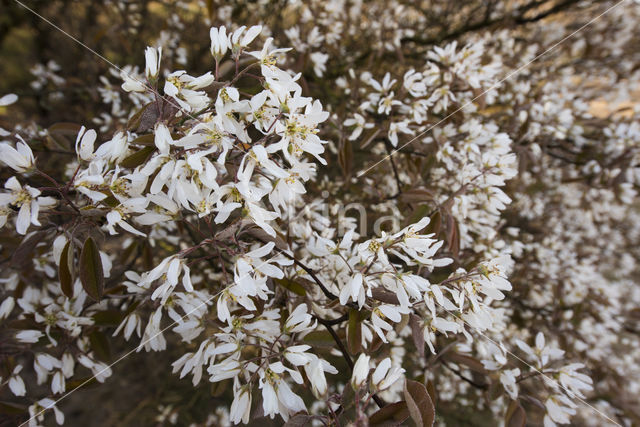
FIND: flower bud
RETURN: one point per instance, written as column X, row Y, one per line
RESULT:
column 360, row 371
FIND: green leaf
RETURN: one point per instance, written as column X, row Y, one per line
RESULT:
column 91, row 274
column 419, row 403
column 391, row 415
column 319, row 339
column 65, row 270
column 354, row 332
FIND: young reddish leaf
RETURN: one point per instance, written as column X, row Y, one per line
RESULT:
column 299, row 420
column 22, row 255
column 515, row 416
column 419, row 403
column 146, row 140
column 100, row 345
column 391, row 415
column 108, row 318
column 418, row 213
column 470, row 362
column 417, row 195
column 383, row 295
column 65, row 270
column 11, row 408
column 62, row 135
column 431, row 389
column 291, row 285
column 345, row 157
column 144, row 118
column 435, row 224
column 453, row 237
column 416, row 334
column 91, row 274
column 137, row 158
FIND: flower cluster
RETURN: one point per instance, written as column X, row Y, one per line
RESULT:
column 333, row 212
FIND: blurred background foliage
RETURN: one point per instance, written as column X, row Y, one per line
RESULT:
column 119, row 31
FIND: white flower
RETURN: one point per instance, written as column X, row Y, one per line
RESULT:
column 27, row 200
column 267, row 56
column 37, row 410
column 508, row 380
column 385, row 375
column 383, row 312
column 132, row 83
column 360, row 124
column 84, row 143
column 8, row 99
column 114, row 150
column 299, row 320
column 163, row 138
column 353, row 290
column 29, row 336
column 559, row 410
column 58, row 383
column 315, row 370
column 7, row 306
column 183, row 88
column 237, row 44
column 129, row 324
column 241, row 406
column 219, row 42
column 319, row 60
column 251, row 273
column 541, row 352
column 118, row 215
column 152, row 57
column 575, row 382
column 360, row 371
column 296, row 355
column 277, row 397
column 19, row 159
column 43, row 364
column 396, row 127
column 100, row 371
column 152, row 339
column 16, row 384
